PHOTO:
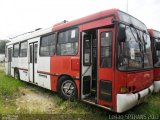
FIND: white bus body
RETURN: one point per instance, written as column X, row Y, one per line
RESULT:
column 27, row 70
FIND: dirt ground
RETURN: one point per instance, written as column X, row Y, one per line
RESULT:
column 34, row 101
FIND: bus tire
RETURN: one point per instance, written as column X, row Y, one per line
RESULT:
column 16, row 74
column 67, row 89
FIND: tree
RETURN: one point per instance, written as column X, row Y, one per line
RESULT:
column 2, row 46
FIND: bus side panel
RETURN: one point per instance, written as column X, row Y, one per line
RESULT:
column 54, row 83
column 15, row 64
column 78, row 87
column 43, row 72
column 23, row 68
column 63, row 65
column 156, row 73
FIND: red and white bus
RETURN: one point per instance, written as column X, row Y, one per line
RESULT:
column 155, row 41
column 103, row 59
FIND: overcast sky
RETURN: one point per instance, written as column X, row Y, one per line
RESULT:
column 19, row 16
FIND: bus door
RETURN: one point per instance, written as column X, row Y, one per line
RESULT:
column 86, row 68
column 105, row 67
column 9, row 60
column 32, row 61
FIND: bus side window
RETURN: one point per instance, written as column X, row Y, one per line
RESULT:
column 47, row 45
column 67, row 42
column 23, row 49
column 16, row 50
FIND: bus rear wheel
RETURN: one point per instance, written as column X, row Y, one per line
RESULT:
column 67, row 89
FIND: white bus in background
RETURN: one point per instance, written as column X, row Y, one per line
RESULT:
column 21, row 57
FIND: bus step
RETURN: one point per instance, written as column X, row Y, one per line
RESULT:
column 93, row 89
column 93, row 79
column 93, row 92
column 91, row 99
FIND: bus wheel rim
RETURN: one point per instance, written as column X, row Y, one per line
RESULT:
column 67, row 88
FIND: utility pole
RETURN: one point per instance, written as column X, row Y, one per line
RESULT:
column 127, row 7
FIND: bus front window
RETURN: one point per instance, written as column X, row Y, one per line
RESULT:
column 134, row 52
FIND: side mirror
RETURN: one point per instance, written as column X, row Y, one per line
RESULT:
column 122, row 33
column 157, row 45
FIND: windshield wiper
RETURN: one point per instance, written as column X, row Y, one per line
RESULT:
column 138, row 41
column 144, row 42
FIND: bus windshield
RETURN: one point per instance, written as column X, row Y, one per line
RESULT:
column 134, row 53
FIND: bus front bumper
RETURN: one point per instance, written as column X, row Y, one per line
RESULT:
column 156, row 86
column 127, row 101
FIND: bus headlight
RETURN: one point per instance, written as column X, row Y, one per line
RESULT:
column 124, row 89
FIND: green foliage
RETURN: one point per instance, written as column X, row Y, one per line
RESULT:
column 8, row 88
column 8, row 85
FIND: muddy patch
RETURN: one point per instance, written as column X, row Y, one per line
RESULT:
column 34, row 101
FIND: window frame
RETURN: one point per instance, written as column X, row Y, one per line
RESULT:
column 48, row 34
column 35, row 49
column 30, row 53
column 20, row 48
column 68, row 42
column 84, row 51
column 14, row 50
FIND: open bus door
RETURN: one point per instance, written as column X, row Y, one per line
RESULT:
column 97, row 73
column 105, row 67
column 86, row 69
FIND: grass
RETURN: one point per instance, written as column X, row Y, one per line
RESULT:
column 1, row 66
column 9, row 91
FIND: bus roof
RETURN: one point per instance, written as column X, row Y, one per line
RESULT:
column 30, row 35
column 119, row 16
column 86, row 19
